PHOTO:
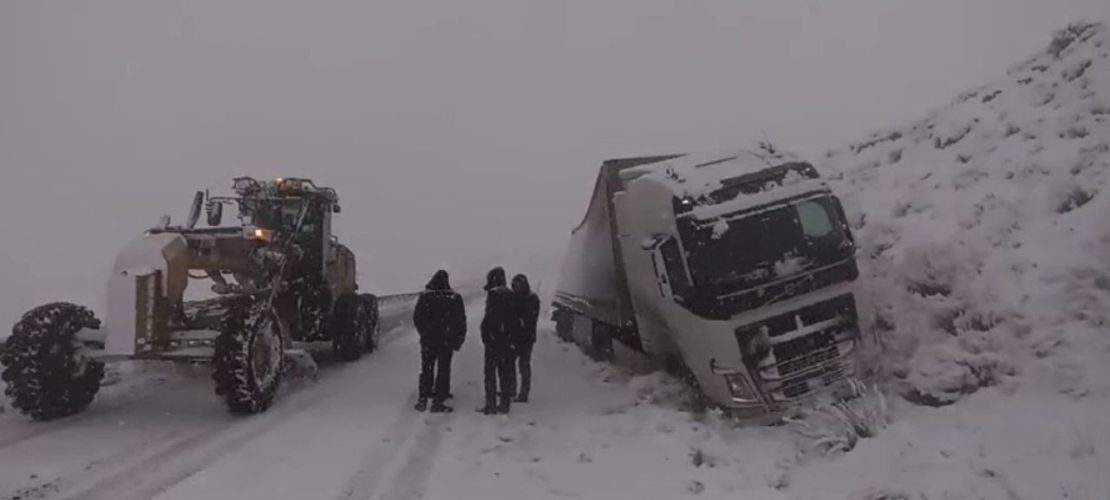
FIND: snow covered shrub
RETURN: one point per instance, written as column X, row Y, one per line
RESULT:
column 940, row 374
column 836, row 426
column 1062, row 39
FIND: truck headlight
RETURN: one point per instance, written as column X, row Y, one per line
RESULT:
column 738, row 385
column 741, row 391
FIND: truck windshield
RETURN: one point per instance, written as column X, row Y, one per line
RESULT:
column 753, row 249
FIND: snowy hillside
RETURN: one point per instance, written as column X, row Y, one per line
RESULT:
column 985, row 238
column 985, row 229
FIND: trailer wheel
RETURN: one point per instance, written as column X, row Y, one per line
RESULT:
column 350, row 327
column 250, row 356
column 48, row 372
column 374, row 323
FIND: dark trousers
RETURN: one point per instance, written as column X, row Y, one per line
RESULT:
column 500, row 377
column 435, row 372
column 524, row 364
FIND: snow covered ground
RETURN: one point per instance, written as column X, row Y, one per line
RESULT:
column 986, row 252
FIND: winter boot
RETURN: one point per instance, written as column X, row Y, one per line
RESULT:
column 503, row 408
column 439, row 407
column 422, row 404
column 522, row 398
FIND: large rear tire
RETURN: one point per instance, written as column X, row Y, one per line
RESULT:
column 250, row 356
column 350, row 327
column 374, row 325
column 48, row 372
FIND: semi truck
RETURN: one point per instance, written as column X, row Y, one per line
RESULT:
column 737, row 269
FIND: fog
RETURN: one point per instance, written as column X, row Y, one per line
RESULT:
column 458, row 134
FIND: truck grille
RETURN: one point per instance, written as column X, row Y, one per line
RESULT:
column 790, row 366
column 801, row 365
column 843, row 305
column 802, row 386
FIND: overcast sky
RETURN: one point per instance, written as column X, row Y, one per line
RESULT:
column 458, row 134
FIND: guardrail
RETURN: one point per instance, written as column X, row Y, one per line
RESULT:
column 397, row 297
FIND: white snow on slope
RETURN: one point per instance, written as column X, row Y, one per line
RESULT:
column 986, row 251
column 984, row 231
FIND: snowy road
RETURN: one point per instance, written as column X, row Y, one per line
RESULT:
column 352, row 434
column 161, row 431
column 591, row 432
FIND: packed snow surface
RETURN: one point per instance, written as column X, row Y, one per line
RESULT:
column 985, row 251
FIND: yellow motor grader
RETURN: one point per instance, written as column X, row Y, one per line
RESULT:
column 279, row 277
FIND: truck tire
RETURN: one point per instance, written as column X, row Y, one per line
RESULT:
column 374, row 324
column 48, row 374
column 250, row 356
column 601, row 341
column 350, row 327
column 564, row 325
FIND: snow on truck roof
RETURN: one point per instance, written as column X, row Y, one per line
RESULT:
column 713, row 179
column 698, row 174
column 722, row 182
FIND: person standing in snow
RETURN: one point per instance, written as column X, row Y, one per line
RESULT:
column 440, row 319
column 500, row 377
column 527, row 314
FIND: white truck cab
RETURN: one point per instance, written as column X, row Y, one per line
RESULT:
column 737, row 267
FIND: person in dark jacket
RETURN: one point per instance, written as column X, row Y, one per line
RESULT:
column 527, row 308
column 500, row 377
column 440, row 319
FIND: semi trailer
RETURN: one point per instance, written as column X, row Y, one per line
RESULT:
column 737, row 269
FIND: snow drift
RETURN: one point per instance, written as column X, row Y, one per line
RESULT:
column 984, row 229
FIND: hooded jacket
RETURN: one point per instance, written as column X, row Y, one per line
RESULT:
column 439, row 316
column 497, row 323
column 526, row 311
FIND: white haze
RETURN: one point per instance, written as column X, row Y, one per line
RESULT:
column 459, row 134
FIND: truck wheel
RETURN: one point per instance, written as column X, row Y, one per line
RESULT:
column 250, row 356
column 48, row 372
column 349, row 327
column 564, row 324
column 374, row 324
column 695, row 400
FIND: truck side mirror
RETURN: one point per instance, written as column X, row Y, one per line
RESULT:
column 215, row 213
column 652, row 242
column 194, row 210
column 335, row 208
column 843, row 219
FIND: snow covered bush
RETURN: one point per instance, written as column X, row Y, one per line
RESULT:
column 836, row 426
column 984, row 242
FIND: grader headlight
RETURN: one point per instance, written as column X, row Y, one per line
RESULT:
column 258, row 233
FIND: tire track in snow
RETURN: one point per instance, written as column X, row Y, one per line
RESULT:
column 100, row 410
column 377, row 458
column 408, row 472
column 190, row 454
column 392, row 322
column 406, row 461
column 413, row 474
